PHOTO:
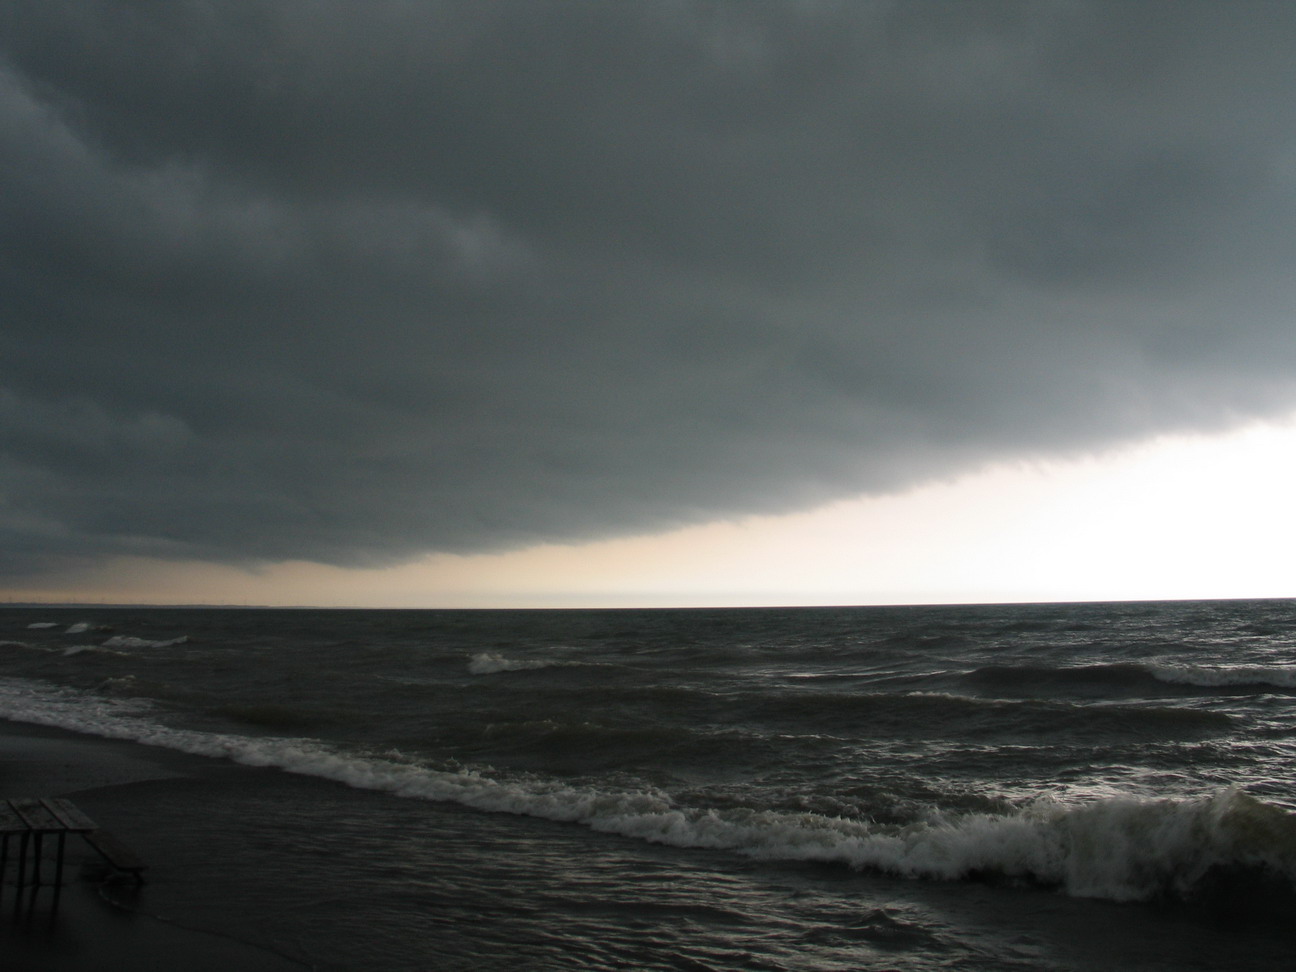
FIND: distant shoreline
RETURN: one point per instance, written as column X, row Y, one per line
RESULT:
column 199, row 606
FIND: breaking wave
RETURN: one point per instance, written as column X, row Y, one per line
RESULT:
column 93, row 649
column 1216, row 676
column 1123, row 849
column 491, row 663
column 128, row 641
column 1115, row 679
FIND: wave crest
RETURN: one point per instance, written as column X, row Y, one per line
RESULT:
column 1123, row 849
column 491, row 663
column 1217, row 676
column 1125, row 677
column 128, row 641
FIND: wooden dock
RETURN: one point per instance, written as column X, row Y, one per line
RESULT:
column 32, row 820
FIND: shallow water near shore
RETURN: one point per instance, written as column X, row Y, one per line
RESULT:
column 1066, row 787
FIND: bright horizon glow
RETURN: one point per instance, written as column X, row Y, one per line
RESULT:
column 1180, row 517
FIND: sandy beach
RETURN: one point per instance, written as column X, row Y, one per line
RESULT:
column 97, row 922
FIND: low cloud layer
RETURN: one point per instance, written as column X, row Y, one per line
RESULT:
column 355, row 282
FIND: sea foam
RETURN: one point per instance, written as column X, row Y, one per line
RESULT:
column 128, row 641
column 1121, row 848
column 1218, row 676
column 491, row 663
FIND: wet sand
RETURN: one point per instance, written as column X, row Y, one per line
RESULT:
column 98, row 921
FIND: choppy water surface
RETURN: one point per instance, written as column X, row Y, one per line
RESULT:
column 968, row 787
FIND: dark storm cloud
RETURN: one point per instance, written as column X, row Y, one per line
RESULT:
column 351, row 282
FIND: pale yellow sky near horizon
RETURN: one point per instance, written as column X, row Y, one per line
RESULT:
column 1178, row 517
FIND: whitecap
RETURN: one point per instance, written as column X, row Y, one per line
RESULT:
column 490, row 663
column 1220, row 676
column 94, row 649
column 1119, row 848
column 126, row 641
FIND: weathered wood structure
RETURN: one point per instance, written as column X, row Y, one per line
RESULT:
column 32, row 820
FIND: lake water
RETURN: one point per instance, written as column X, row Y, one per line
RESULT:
column 992, row 787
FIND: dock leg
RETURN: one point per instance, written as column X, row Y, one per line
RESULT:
column 22, row 873
column 22, row 859
column 58, row 875
column 58, row 867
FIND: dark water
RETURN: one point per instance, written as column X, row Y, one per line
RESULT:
column 1044, row 786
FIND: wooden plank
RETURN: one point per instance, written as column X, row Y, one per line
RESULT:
column 115, row 852
column 69, row 814
column 10, row 822
column 34, row 814
column 41, row 822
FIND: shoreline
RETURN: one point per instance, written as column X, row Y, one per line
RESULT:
column 95, row 924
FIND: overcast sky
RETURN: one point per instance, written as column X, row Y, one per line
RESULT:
column 353, row 283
